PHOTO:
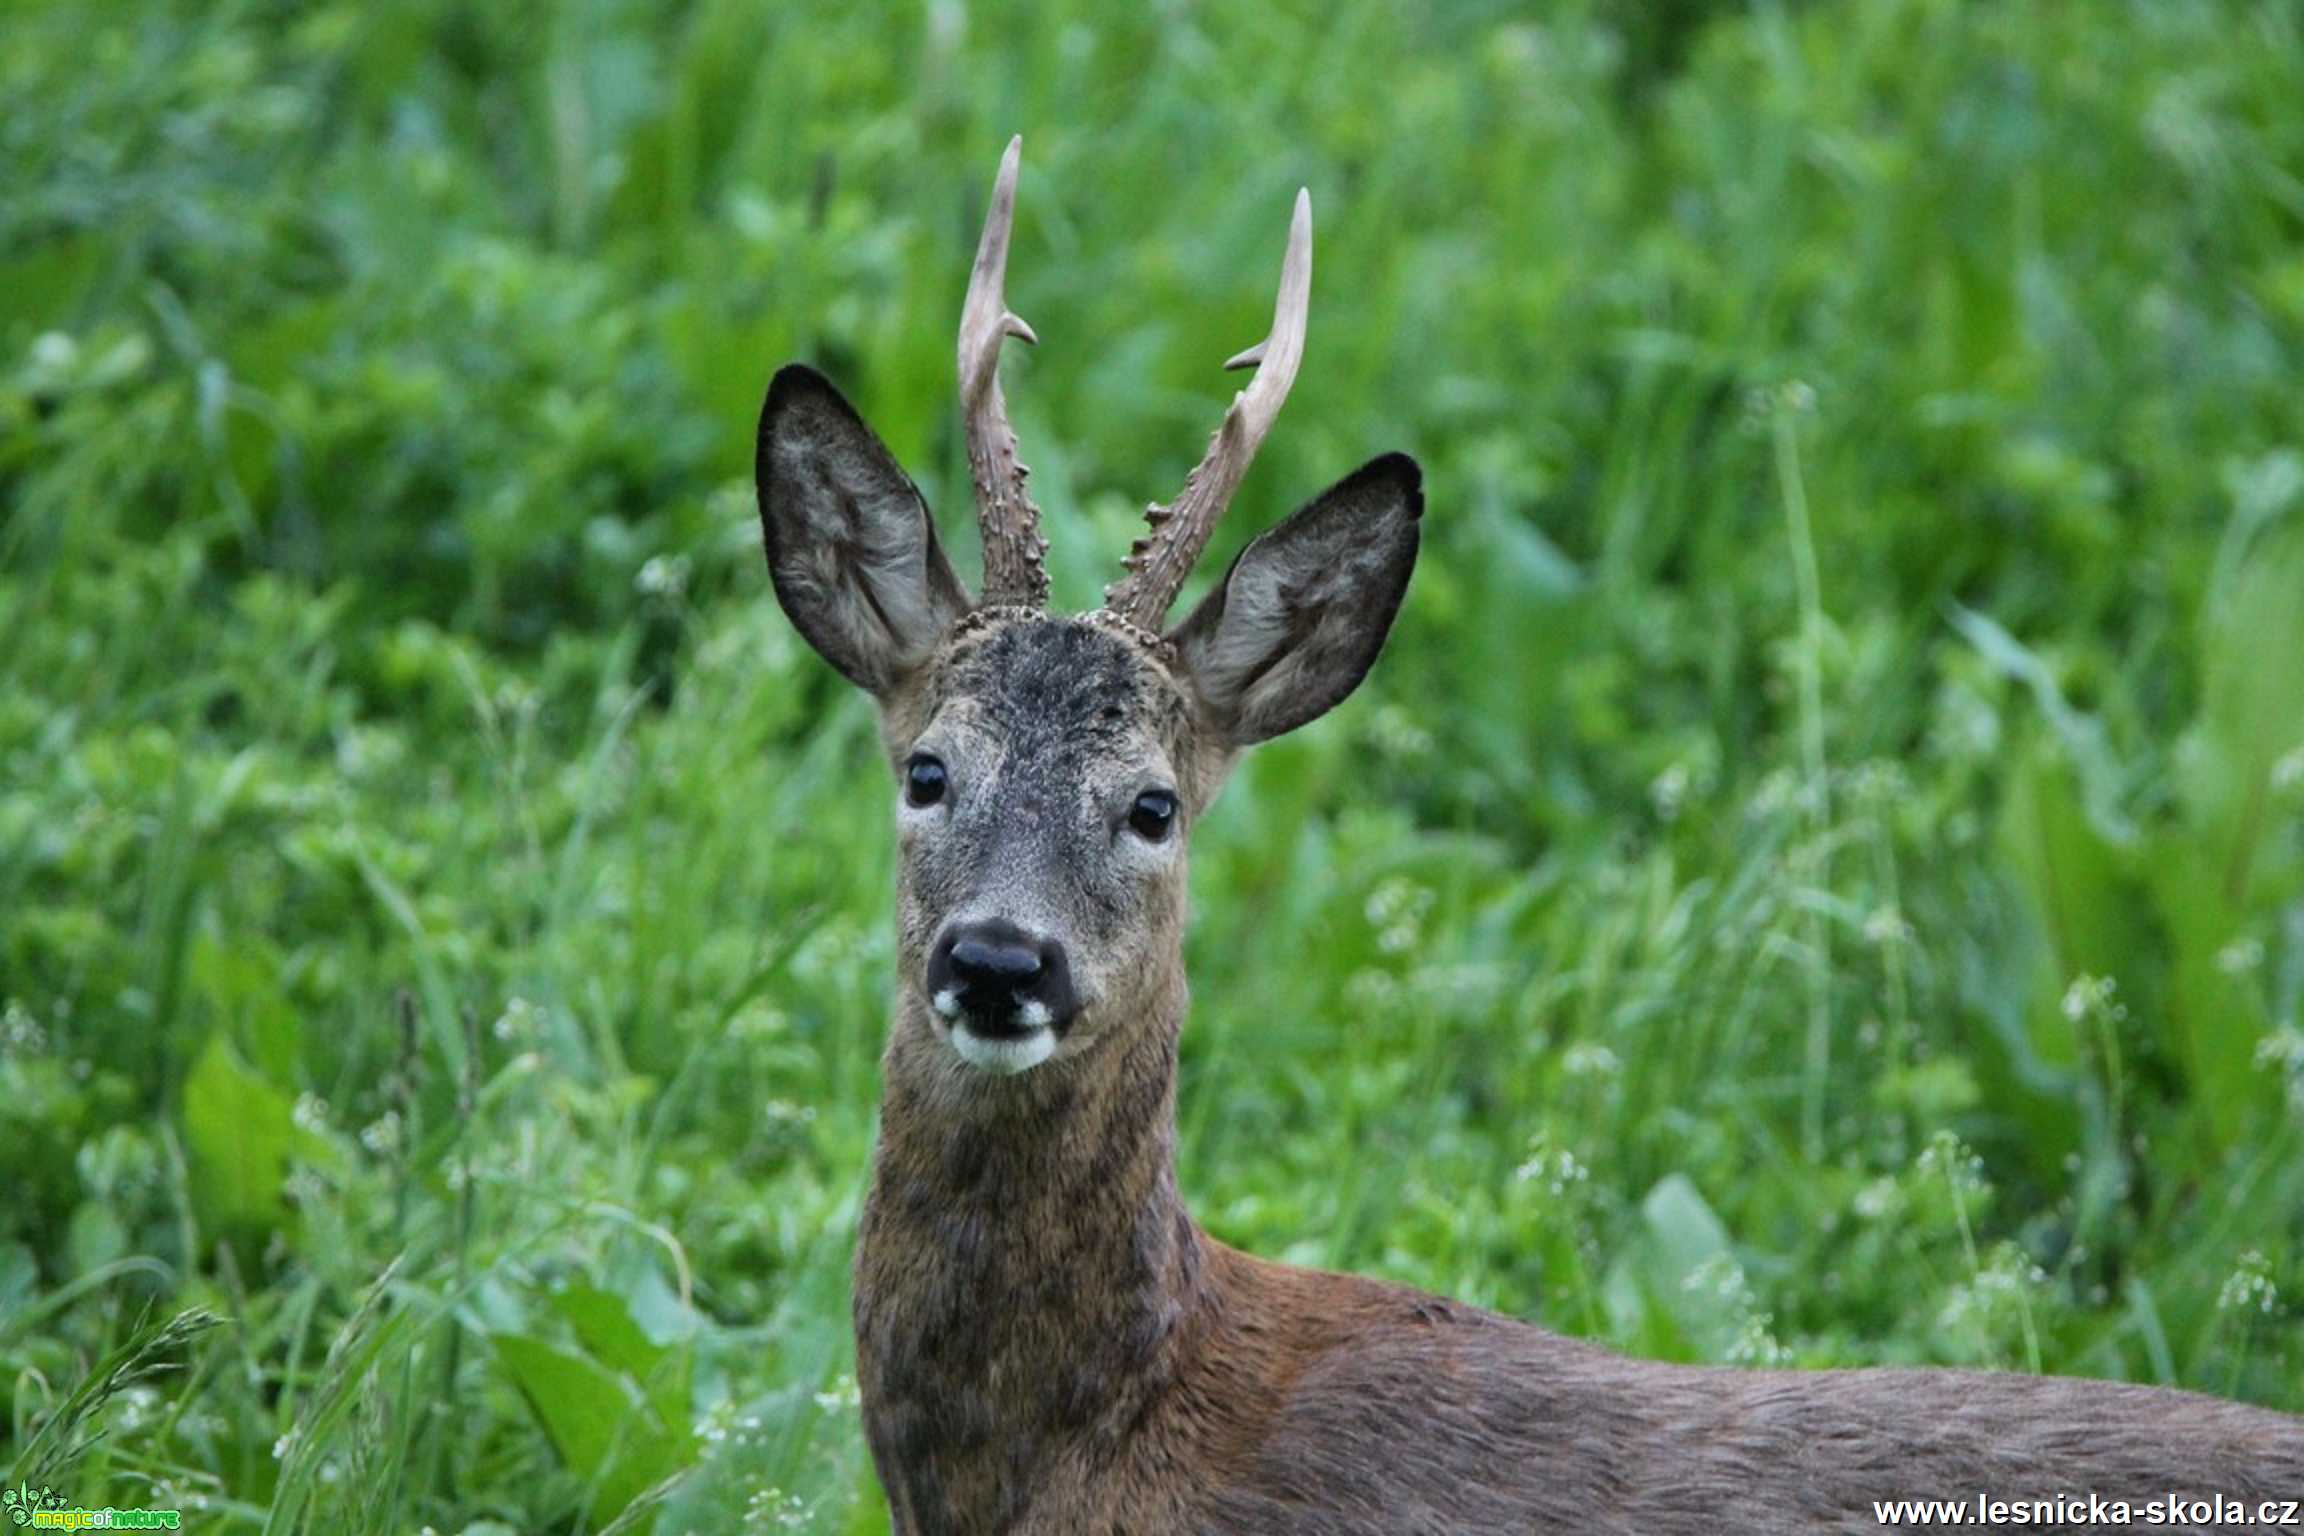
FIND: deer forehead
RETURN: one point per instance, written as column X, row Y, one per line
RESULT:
column 1063, row 697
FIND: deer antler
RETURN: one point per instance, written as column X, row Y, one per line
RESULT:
column 1159, row 562
column 1015, row 553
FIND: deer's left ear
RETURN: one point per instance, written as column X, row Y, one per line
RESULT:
column 850, row 543
column 1298, row 620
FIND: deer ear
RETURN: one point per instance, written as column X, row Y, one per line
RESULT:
column 851, row 546
column 1298, row 620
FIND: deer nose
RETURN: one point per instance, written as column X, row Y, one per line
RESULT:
column 989, row 966
column 1001, row 979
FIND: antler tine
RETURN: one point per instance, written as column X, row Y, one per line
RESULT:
column 1015, row 554
column 1158, row 563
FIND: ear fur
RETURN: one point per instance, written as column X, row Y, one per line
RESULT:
column 851, row 547
column 1298, row 619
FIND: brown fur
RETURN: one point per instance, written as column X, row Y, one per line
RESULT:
column 1046, row 1343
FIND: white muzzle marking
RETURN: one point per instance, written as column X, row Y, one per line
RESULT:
column 1006, row 1056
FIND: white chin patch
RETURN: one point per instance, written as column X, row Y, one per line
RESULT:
column 1007, row 1055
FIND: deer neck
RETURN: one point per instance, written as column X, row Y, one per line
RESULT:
column 1026, row 1273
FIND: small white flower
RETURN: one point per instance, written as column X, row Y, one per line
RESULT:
column 2283, row 1048
column 1755, row 1344
column 842, row 1396
column 2288, row 773
column 1879, row 1200
column 1555, row 1169
column 1947, row 1155
column 2249, row 1287
column 2240, row 956
column 1885, row 926
column 663, row 576
column 1668, row 790
column 382, row 1135
column 54, row 351
column 1396, row 734
column 518, row 1021
column 2098, row 995
column 1588, row 1059
column 19, row 1031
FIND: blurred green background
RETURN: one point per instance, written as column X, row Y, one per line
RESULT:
column 1817, row 877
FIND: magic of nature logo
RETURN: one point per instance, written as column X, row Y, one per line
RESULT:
column 49, row 1510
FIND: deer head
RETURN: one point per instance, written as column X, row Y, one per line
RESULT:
column 1049, row 768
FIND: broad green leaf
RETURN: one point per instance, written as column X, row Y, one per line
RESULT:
column 611, row 1336
column 2215, row 1014
column 240, row 1131
column 96, row 1237
column 601, row 1424
column 2084, row 907
column 1647, row 1291
column 2251, row 718
column 2075, row 882
column 1682, row 1228
column 239, row 978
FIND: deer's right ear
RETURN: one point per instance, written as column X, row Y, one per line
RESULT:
column 851, row 547
column 1298, row 620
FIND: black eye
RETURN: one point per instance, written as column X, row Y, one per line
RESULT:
column 923, row 780
column 1152, row 815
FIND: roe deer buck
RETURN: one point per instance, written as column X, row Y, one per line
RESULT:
column 1045, row 1340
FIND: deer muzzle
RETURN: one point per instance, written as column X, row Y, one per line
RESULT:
column 1006, row 993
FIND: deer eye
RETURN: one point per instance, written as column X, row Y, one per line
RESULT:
column 923, row 780
column 1153, row 814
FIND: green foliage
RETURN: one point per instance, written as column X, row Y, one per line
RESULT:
column 1817, row 877
column 604, row 1429
column 240, row 1135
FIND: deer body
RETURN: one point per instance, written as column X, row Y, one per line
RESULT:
column 1047, row 1344
column 1045, row 1341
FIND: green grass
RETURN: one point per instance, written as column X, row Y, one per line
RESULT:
column 1818, row 875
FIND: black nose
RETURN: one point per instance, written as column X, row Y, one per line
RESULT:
column 990, row 966
column 1003, row 980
